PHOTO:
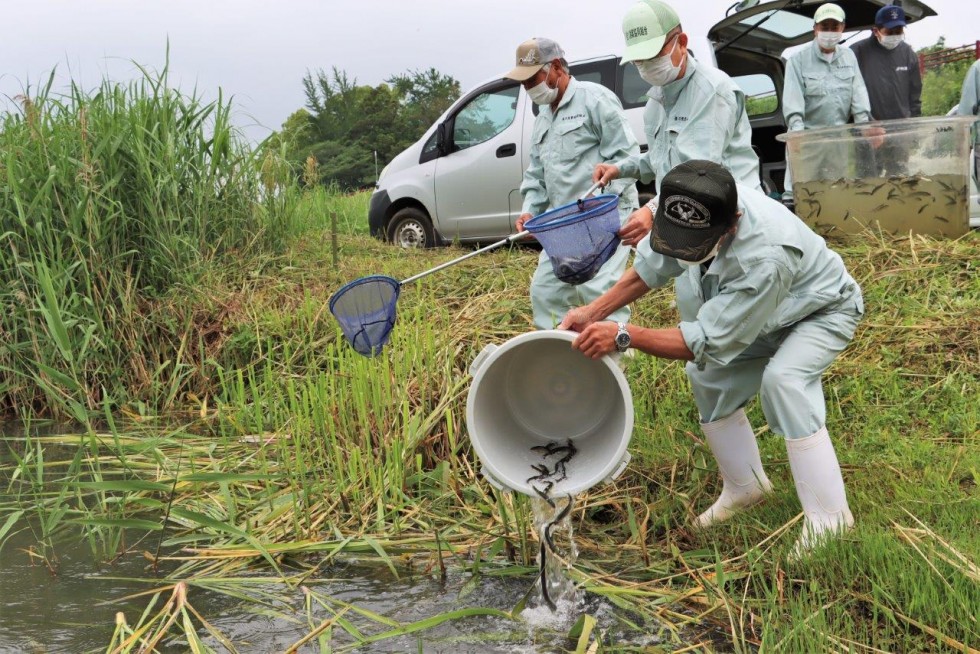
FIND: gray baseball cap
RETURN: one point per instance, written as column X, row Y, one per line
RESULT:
column 532, row 55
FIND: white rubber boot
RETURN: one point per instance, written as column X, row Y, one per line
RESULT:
column 820, row 487
column 744, row 482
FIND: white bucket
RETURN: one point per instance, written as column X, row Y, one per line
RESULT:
column 535, row 390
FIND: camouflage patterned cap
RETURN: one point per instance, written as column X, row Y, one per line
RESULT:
column 532, row 55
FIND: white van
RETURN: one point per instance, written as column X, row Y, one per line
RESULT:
column 461, row 181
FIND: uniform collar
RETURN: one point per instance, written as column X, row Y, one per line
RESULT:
column 566, row 97
column 818, row 53
column 672, row 91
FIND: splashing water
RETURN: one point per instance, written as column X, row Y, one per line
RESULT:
column 561, row 599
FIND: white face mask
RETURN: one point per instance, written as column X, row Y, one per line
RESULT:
column 890, row 41
column 711, row 255
column 828, row 40
column 542, row 93
column 659, row 71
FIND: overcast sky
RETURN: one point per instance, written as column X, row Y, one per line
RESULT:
column 258, row 51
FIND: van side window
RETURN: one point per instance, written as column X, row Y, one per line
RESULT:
column 760, row 94
column 634, row 88
column 485, row 116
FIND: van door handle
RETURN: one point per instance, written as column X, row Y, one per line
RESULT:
column 508, row 150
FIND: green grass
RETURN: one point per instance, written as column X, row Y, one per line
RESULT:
column 112, row 203
column 297, row 450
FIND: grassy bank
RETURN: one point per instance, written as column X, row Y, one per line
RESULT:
column 303, row 452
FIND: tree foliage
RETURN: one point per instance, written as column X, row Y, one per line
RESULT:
column 353, row 130
column 941, row 86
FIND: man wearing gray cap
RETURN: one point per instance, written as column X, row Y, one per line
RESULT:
column 765, row 308
column 579, row 124
column 694, row 111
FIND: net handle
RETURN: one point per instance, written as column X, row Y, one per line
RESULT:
column 585, row 196
column 443, row 266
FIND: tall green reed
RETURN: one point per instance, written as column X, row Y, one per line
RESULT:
column 111, row 201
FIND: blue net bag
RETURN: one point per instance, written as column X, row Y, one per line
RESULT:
column 578, row 237
column 365, row 309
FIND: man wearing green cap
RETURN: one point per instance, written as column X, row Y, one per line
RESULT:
column 578, row 125
column 823, row 87
column 765, row 308
column 694, row 111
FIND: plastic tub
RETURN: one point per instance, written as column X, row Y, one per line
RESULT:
column 907, row 175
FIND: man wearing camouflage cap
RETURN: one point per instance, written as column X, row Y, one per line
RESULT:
column 579, row 124
column 694, row 111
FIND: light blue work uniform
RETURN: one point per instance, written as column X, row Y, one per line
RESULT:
column 970, row 105
column 699, row 116
column 818, row 92
column 770, row 314
column 588, row 128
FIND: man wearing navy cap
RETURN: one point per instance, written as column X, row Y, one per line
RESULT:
column 890, row 67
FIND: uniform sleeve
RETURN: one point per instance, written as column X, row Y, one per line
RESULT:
column 732, row 320
column 970, row 96
column 794, row 102
column 638, row 165
column 915, row 85
column 860, row 103
column 654, row 269
column 532, row 186
column 616, row 140
column 710, row 128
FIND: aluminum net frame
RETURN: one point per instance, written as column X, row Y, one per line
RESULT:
column 578, row 237
column 365, row 309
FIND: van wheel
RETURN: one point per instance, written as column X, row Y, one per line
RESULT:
column 411, row 228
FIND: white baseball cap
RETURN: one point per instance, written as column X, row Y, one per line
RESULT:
column 828, row 11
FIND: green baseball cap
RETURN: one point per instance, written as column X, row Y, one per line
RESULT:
column 645, row 29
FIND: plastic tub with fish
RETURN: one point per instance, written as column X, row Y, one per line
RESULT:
column 907, row 175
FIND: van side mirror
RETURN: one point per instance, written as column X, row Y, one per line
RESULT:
column 442, row 139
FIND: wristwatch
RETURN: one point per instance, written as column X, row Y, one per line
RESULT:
column 622, row 338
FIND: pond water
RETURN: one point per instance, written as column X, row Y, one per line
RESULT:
column 73, row 609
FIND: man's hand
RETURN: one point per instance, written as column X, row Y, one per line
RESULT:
column 604, row 173
column 577, row 319
column 597, row 340
column 637, row 226
column 523, row 218
column 875, row 135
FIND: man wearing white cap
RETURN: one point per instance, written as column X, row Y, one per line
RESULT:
column 694, row 111
column 579, row 124
column 823, row 86
column 765, row 308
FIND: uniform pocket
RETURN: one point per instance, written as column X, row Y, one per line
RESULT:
column 814, row 85
column 576, row 137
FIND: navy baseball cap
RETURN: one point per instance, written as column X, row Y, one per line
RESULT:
column 890, row 16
